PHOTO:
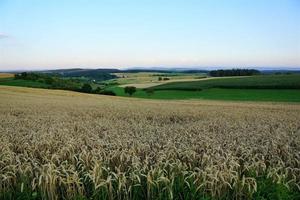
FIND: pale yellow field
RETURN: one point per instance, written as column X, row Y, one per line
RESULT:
column 144, row 79
column 145, row 83
column 68, row 144
column 155, row 83
column 6, row 75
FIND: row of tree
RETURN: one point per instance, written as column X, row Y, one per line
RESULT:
column 163, row 78
column 87, row 88
column 52, row 82
column 55, row 82
column 130, row 90
column 234, row 72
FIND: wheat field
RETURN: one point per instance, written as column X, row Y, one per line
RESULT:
column 6, row 75
column 67, row 145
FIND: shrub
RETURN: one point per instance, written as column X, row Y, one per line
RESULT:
column 130, row 90
column 108, row 92
column 87, row 88
column 234, row 72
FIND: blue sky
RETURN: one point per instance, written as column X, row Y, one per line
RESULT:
column 44, row 34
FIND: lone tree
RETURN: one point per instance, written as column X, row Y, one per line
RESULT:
column 130, row 90
column 87, row 88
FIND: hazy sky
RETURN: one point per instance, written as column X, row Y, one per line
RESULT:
column 124, row 33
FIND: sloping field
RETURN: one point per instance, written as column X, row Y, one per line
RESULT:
column 144, row 80
column 60, row 144
column 176, row 81
column 22, row 83
column 253, row 82
column 155, row 83
column 6, row 75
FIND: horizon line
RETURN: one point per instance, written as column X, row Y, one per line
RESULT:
column 182, row 68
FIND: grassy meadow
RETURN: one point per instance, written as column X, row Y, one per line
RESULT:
column 22, row 83
column 283, row 95
column 291, row 81
column 152, row 78
column 65, row 145
column 277, row 88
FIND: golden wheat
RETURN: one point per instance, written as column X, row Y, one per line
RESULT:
column 6, row 75
column 64, row 145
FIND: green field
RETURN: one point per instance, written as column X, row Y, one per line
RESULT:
column 281, row 88
column 284, row 88
column 36, row 84
column 151, row 77
column 283, row 95
column 254, row 82
column 22, row 83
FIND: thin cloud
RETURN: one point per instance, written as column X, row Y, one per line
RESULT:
column 3, row 36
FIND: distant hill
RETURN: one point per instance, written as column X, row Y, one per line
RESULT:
column 77, row 71
column 97, row 74
column 278, row 71
column 105, row 74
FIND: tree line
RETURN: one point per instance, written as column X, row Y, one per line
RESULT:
column 56, row 82
column 234, row 72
